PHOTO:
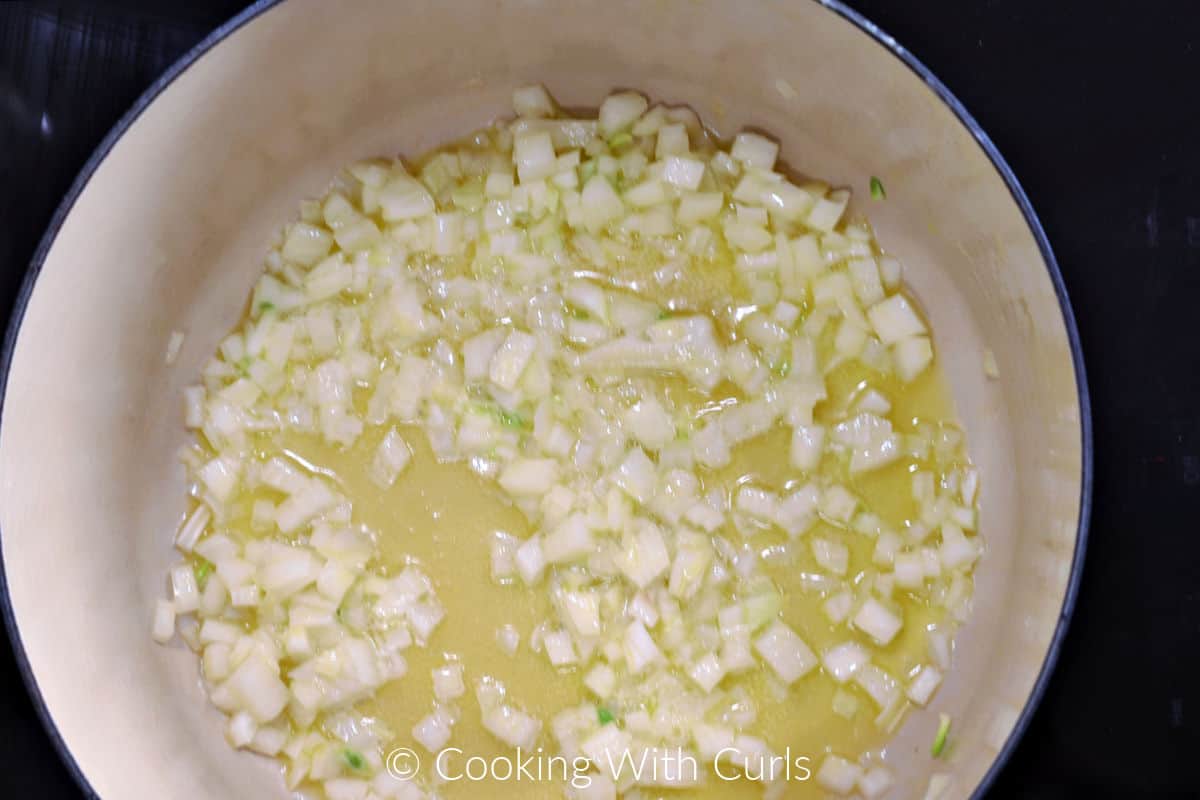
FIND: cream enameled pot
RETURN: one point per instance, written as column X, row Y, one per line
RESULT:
column 166, row 227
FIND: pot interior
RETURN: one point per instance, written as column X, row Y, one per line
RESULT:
column 169, row 232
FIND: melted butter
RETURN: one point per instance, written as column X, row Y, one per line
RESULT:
column 443, row 515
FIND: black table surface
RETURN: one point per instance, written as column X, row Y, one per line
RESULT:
column 1094, row 106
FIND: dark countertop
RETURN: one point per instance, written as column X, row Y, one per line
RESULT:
column 1094, row 106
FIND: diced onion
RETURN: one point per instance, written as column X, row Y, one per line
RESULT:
column 895, row 319
column 618, row 111
column 511, row 726
column 786, row 653
column 639, row 648
column 838, row 775
column 529, row 477
column 531, row 560
column 391, row 458
column 559, row 648
column 433, row 730
column 874, row 782
column 879, row 685
column 754, row 150
column 534, row 157
column 911, row 356
column 164, row 621
column 532, row 101
column 597, row 317
column 508, row 638
column 923, row 685
column 877, row 621
column 842, row 661
column 707, row 672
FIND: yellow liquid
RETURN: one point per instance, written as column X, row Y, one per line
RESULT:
column 443, row 515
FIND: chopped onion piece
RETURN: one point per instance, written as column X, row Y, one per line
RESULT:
column 511, row 726
column 842, row 661
column 887, row 545
column 700, row 206
column 713, row 741
column 391, row 457
column 785, row 652
column 606, row 748
column 636, row 475
column 923, row 685
column 911, row 356
column 569, row 541
column 620, row 110
column 909, row 570
column 845, row 704
column 503, row 551
column 529, row 477
column 184, row 591
column 754, row 150
column 957, row 550
column 559, row 648
column 509, row 638
column 798, row 511
column 256, row 687
column 511, row 359
column 692, row 558
column 306, row 244
column 827, row 211
column 838, row 606
column 838, row 504
column 448, row 682
column 874, row 782
column 192, row 528
column 707, row 672
column 313, row 498
column 758, row 503
column 581, row 611
column 683, row 173
column 808, row 443
column 220, row 477
column 530, row 560
column 532, row 101
column 639, row 648
column 877, row 621
column 601, row 680
column 644, row 555
column 838, row 775
column 164, row 621
column 241, row 729
column 599, row 204
column 895, row 319
column 650, row 424
column 879, row 685
column 433, row 730
column 672, row 141
column 833, row 556
column 533, row 155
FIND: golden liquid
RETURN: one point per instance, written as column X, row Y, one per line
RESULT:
column 442, row 515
